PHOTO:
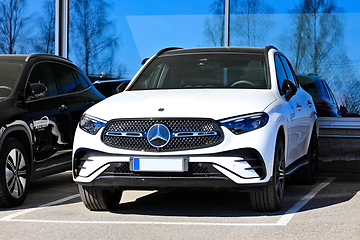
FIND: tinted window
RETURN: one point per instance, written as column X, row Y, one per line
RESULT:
column 9, row 74
column 204, row 71
column 42, row 73
column 69, row 79
column 81, row 80
column 289, row 72
column 280, row 72
column 308, row 84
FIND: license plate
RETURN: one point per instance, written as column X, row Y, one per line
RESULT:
column 159, row 164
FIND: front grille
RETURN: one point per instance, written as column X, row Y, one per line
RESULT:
column 186, row 134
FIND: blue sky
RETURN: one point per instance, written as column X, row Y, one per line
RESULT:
column 146, row 26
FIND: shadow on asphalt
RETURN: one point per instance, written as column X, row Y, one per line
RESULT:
column 197, row 203
column 235, row 204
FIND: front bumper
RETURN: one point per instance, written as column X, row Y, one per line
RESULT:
column 239, row 161
column 220, row 170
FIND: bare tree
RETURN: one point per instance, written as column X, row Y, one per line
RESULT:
column 12, row 26
column 247, row 22
column 316, row 41
column 46, row 40
column 214, row 25
column 316, row 44
column 251, row 22
column 93, row 35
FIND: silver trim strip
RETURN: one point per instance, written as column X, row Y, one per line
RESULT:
column 195, row 134
column 124, row 134
column 176, row 134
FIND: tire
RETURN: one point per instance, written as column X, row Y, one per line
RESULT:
column 270, row 199
column 308, row 174
column 14, row 173
column 100, row 200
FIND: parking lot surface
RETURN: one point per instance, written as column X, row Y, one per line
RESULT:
column 328, row 209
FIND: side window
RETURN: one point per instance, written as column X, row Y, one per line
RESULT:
column 328, row 93
column 280, row 72
column 42, row 73
column 82, row 80
column 289, row 72
column 69, row 79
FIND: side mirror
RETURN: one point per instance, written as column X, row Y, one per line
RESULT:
column 289, row 89
column 38, row 90
column 121, row 87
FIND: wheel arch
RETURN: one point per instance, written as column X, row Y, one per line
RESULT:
column 20, row 131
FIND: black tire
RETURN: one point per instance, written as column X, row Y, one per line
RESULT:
column 100, row 200
column 308, row 174
column 14, row 173
column 270, row 199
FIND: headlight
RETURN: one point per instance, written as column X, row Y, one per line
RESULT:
column 90, row 124
column 247, row 123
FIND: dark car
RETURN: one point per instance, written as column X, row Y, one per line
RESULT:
column 42, row 98
column 324, row 99
column 110, row 87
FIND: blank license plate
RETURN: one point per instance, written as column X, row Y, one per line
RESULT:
column 159, row 164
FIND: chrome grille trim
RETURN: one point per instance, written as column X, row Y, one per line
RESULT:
column 124, row 134
column 194, row 134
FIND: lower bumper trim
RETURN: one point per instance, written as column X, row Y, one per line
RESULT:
column 164, row 183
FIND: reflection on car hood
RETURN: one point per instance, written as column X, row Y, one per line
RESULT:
column 193, row 103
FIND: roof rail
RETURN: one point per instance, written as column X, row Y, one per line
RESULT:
column 44, row 54
column 167, row 49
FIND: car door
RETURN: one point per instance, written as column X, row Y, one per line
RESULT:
column 73, row 87
column 299, row 112
column 48, row 120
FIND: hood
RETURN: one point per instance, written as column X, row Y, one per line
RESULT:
column 190, row 103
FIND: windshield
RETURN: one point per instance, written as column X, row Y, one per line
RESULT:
column 213, row 70
column 9, row 74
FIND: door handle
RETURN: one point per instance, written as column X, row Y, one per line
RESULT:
column 62, row 107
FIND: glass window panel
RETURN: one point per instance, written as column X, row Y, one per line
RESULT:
column 35, row 26
column 128, row 31
column 42, row 73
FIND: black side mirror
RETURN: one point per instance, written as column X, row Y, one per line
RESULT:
column 38, row 90
column 121, row 87
column 289, row 89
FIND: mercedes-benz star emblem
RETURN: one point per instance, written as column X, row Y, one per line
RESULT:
column 158, row 135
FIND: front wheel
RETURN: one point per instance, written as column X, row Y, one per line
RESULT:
column 14, row 173
column 270, row 199
column 100, row 200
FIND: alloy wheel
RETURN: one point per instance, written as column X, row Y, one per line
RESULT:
column 16, row 173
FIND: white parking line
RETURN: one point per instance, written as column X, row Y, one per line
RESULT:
column 283, row 221
column 17, row 214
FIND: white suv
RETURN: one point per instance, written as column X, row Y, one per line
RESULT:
column 219, row 118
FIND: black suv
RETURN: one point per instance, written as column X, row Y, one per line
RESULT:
column 42, row 98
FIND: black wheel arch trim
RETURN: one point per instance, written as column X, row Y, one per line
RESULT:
column 18, row 129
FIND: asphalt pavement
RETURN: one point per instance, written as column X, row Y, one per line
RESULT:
column 328, row 209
